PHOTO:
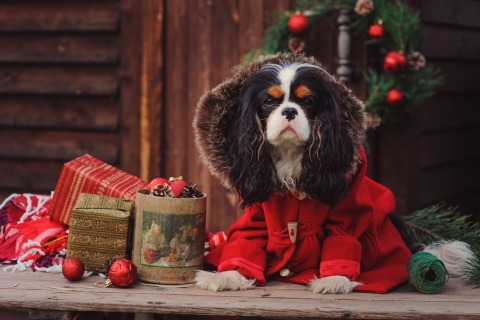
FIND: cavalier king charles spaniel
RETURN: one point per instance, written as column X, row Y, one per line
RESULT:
column 287, row 137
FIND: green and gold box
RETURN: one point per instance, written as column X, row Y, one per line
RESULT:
column 99, row 230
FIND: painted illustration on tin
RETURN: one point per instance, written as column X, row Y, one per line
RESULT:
column 172, row 240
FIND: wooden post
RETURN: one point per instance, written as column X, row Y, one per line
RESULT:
column 151, row 88
column 344, row 70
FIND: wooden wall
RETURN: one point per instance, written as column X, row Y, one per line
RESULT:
column 120, row 79
column 434, row 154
column 72, row 82
column 59, row 88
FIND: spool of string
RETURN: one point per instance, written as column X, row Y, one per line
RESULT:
column 427, row 273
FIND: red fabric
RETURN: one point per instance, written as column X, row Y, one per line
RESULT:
column 30, row 228
column 33, row 205
column 356, row 239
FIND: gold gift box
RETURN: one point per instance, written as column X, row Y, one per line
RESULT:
column 99, row 230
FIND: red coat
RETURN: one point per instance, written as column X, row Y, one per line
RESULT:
column 356, row 239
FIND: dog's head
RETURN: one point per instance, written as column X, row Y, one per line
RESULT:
column 281, row 123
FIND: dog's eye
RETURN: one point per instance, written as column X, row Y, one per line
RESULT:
column 308, row 102
column 270, row 102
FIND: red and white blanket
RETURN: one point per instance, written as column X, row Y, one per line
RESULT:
column 28, row 236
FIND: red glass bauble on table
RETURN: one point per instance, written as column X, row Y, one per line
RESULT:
column 123, row 273
column 73, row 269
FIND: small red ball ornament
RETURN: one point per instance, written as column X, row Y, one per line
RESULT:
column 376, row 31
column 155, row 182
column 298, row 24
column 394, row 62
column 395, row 97
column 123, row 273
column 73, row 269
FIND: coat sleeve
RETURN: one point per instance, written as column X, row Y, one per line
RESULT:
column 342, row 251
column 245, row 249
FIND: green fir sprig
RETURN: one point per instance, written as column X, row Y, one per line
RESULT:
column 471, row 271
column 445, row 222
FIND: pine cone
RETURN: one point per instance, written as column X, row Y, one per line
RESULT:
column 416, row 60
column 364, row 7
column 162, row 190
column 296, row 45
column 191, row 191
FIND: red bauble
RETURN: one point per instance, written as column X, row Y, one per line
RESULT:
column 123, row 273
column 395, row 97
column 376, row 31
column 298, row 24
column 155, row 182
column 394, row 62
column 177, row 187
column 73, row 269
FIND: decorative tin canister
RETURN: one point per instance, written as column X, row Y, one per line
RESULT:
column 169, row 238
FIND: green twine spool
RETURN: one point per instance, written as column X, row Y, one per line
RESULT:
column 427, row 273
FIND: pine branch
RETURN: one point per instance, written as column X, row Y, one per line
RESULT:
column 471, row 271
column 445, row 222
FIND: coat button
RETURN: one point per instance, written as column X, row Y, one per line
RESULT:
column 286, row 273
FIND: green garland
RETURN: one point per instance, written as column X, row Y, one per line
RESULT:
column 442, row 222
column 401, row 33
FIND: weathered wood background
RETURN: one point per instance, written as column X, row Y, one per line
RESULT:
column 120, row 80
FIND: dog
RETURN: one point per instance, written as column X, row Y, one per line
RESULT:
column 287, row 137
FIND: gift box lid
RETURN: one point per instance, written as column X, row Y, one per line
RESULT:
column 108, row 206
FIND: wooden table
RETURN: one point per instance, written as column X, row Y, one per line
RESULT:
column 51, row 291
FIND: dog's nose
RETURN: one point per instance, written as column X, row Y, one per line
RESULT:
column 289, row 113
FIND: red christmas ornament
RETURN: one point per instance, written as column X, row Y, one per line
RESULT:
column 123, row 273
column 73, row 269
column 298, row 24
column 395, row 97
column 155, row 182
column 177, row 187
column 376, row 31
column 394, row 62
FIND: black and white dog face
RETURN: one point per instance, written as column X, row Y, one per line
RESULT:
column 288, row 135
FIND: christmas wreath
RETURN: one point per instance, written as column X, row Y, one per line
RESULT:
column 402, row 82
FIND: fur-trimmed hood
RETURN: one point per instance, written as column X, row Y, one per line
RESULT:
column 217, row 109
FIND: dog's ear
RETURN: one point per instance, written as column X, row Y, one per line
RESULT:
column 332, row 151
column 252, row 170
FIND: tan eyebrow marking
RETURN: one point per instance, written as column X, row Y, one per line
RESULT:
column 302, row 92
column 275, row 91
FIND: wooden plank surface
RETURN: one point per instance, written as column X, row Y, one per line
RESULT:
column 438, row 183
column 448, row 147
column 450, row 43
column 59, row 15
column 59, row 48
column 28, row 175
column 58, row 112
column 59, row 80
column 449, row 111
column 460, row 77
column 461, row 13
column 58, row 145
column 152, row 89
column 130, row 86
column 47, row 291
